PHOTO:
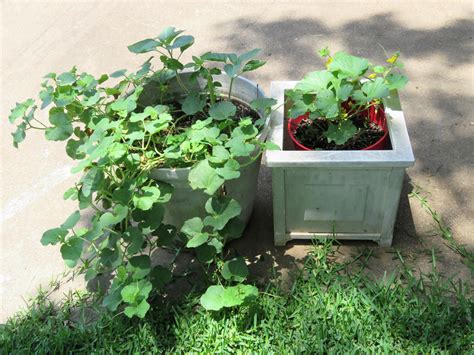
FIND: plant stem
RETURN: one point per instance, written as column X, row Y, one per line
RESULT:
column 230, row 88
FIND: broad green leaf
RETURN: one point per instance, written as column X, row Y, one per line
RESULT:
column 221, row 209
column 110, row 257
column 113, row 300
column 235, row 270
column 239, row 148
column 233, row 70
column 116, row 151
column 246, row 130
column 203, row 176
column 71, row 194
column 146, row 198
column 62, row 129
column 71, row 149
column 108, row 218
column 348, row 66
column 20, row 109
column 168, row 34
column 206, row 134
column 218, row 297
column 71, row 251
column 315, row 82
column 19, row 135
column 122, row 194
column 212, row 299
column 192, row 103
column 271, row 146
column 233, row 229
column 146, row 45
column 53, row 236
column 72, row 220
column 118, row 74
column 206, row 253
column 197, row 240
column 134, row 237
column 150, row 219
column 230, row 170
column 103, row 78
column 340, row 134
column 135, row 136
column 182, row 42
column 237, row 295
column 131, row 292
column 139, row 310
column 124, row 105
column 138, row 117
column 263, row 103
column 140, row 266
column 253, row 65
column 376, row 89
column 66, row 78
column 328, row 104
column 219, row 154
column 396, row 81
column 92, row 181
column 158, row 125
column 46, row 96
column 91, row 100
column 344, row 91
column 215, row 57
column 222, row 110
column 144, row 70
column 193, row 229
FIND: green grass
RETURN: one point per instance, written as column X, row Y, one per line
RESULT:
column 327, row 310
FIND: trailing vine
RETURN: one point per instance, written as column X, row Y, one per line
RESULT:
column 117, row 138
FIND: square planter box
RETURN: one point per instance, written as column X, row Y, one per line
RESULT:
column 346, row 194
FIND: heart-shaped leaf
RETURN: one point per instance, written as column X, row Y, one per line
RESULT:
column 203, row 176
column 222, row 110
column 221, row 210
column 235, row 270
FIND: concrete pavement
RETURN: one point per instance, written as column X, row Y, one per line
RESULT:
column 435, row 39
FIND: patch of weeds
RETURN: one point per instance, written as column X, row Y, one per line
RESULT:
column 330, row 308
column 443, row 229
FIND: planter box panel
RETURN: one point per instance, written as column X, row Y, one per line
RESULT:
column 325, row 199
column 341, row 194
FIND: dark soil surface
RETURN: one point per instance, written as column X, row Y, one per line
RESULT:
column 310, row 134
column 243, row 110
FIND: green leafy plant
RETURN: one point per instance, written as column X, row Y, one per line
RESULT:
column 118, row 137
column 349, row 86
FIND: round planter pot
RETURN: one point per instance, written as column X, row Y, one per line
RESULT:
column 187, row 203
column 376, row 116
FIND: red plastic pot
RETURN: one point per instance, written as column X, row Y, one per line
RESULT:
column 375, row 115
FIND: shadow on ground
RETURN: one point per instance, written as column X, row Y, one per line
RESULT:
column 436, row 124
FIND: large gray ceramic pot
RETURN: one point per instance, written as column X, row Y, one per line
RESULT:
column 187, row 203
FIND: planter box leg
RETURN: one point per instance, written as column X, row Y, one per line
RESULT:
column 279, row 217
column 281, row 240
column 392, row 198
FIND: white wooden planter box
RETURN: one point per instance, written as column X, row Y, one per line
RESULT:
column 342, row 194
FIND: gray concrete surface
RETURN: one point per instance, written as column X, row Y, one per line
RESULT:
column 435, row 39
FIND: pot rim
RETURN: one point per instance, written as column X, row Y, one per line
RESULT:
column 181, row 172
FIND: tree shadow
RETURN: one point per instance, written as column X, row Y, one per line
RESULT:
column 289, row 44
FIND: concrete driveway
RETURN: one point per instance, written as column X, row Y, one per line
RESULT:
column 435, row 40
